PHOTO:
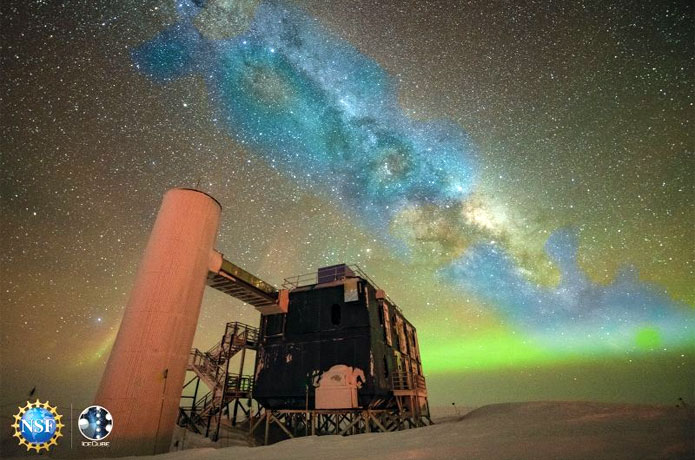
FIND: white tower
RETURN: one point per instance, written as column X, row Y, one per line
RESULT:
column 141, row 385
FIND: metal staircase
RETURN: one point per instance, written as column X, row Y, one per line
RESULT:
column 204, row 414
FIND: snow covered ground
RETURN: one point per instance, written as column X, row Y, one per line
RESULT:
column 535, row 430
column 530, row 430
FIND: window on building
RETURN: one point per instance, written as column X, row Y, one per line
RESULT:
column 335, row 314
column 400, row 333
column 274, row 325
column 411, row 342
column 387, row 323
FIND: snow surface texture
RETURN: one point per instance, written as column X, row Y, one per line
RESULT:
column 536, row 430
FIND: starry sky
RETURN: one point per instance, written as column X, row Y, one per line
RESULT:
column 516, row 175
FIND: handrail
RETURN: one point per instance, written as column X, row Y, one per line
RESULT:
column 240, row 329
column 211, row 367
column 407, row 381
column 308, row 279
column 236, row 336
column 248, row 278
column 205, row 363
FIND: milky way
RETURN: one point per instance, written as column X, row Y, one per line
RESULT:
column 318, row 110
column 328, row 116
column 577, row 313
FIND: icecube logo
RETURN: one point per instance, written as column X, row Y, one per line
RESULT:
column 95, row 423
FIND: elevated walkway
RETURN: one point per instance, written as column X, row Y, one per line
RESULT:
column 237, row 282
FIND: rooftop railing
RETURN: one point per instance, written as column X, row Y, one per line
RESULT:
column 338, row 272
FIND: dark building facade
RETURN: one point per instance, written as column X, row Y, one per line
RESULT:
column 343, row 344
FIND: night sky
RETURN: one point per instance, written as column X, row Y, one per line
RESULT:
column 518, row 177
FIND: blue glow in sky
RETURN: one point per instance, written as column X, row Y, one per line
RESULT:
column 320, row 111
column 577, row 313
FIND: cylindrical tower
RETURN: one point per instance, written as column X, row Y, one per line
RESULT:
column 141, row 385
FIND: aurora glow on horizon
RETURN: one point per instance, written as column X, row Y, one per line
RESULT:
column 517, row 178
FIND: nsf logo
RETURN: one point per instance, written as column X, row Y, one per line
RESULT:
column 37, row 426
